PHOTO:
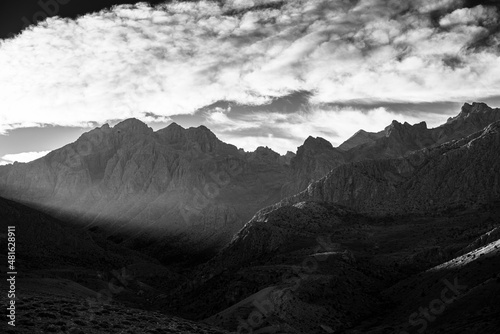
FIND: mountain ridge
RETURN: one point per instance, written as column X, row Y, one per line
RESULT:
column 189, row 184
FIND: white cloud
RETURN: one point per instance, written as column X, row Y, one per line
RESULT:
column 21, row 157
column 175, row 58
column 426, row 6
column 470, row 16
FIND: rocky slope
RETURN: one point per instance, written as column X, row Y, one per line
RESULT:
column 457, row 296
column 70, row 280
column 315, row 267
column 458, row 173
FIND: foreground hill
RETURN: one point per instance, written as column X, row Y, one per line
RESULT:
column 72, row 281
column 315, row 267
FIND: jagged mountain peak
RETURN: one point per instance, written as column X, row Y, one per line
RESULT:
column 312, row 143
column 361, row 137
column 201, row 132
column 475, row 110
column 203, row 136
column 397, row 126
column 475, row 107
column 264, row 154
column 360, row 132
column 173, row 126
column 202, row 128
column 314, row 159
column 132, row 124
column 265, row 150
column 176, row 127
column 173, row 133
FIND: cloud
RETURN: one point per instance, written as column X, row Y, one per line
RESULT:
column 172, row 59
column 467, row 16
column 427, row 6
column 21, row 157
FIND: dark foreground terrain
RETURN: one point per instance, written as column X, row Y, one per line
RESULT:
column 343, row 273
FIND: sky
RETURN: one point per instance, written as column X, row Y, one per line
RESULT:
column 256, row 72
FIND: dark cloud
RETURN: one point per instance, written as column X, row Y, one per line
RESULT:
column 255, row 7
column 291, row 103
column 17, row 15
column 417, row 109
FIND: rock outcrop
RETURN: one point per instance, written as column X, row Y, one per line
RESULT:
column 314, row 159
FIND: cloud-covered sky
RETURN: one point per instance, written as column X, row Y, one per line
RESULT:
column 334, row 66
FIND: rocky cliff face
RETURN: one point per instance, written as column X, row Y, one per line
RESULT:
column 314, row 159
column 461, row 173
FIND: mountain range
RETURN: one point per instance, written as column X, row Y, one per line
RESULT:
column 353, row 239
